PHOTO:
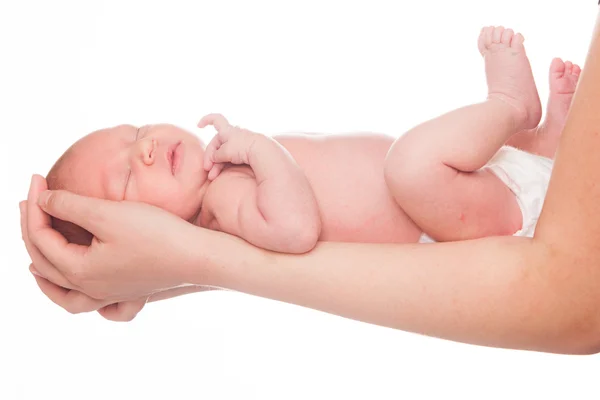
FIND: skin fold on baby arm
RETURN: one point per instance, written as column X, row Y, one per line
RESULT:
column 266, row 200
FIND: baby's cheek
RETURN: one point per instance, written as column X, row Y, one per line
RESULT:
column 178, row 203
column 168, row 195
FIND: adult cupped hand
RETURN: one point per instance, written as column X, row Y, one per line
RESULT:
column 137, row 249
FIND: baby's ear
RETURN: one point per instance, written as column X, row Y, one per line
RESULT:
column 73, row 233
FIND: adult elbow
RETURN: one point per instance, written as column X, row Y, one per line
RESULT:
column 591, row 348
column 585, row 339
column 576, row 311
column 577, row 332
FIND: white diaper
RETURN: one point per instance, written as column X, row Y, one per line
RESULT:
column 527, row 176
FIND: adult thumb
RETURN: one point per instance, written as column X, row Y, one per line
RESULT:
column 87, row 212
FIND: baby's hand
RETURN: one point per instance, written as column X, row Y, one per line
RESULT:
column 230, row 145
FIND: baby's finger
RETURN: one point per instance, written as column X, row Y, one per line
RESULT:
column 231, row 152
column 214, row 144
column 216, row 120
column 215, row 171
column 223, row 154
column 71, row 300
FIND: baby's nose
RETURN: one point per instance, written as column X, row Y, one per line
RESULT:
column 147, row 148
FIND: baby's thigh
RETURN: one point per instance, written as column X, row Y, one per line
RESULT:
column 473, row 205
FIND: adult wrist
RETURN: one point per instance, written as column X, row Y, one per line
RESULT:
column 211, row 256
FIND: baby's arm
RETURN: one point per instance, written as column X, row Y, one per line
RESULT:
column 276, row 208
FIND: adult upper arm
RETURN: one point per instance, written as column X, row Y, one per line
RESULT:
column 569, row 227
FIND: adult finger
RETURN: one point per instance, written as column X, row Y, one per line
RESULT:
column 45, row 268
column 123, row 311
column 57, row 251
column 216, row 120
column 71, row 300
column 87, row 212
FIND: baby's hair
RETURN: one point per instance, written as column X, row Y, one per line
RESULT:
column 58, row 179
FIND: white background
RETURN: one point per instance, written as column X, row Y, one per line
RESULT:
column 68, row 68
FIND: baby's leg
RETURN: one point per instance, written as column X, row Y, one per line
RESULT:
column 433, row 171
column 543, row 140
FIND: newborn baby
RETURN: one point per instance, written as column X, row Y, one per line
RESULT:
column 455, row 180
column 281, row 194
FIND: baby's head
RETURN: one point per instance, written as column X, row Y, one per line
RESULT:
column 161, row 165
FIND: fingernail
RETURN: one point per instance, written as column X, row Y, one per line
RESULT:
column 43, row 198
column 33, row 270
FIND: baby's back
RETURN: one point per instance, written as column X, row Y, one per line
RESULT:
column 346, row 174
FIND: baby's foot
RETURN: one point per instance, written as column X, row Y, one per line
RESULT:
column 509, row 75
column 563, row 81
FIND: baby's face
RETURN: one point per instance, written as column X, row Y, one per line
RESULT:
column 156, row 164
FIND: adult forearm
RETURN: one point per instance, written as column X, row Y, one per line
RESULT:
column 487, row 292
column 178, row 291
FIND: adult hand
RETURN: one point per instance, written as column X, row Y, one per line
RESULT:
column 76, row 302
column 137, row 249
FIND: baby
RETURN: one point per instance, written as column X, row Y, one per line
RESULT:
column 452, row 178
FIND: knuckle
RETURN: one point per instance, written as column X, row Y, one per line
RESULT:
column 74, row 308
column 128, row 317
column 95, row 215
column 55, row 200
column 81, row 279
column 76, row 274
column 98, row 293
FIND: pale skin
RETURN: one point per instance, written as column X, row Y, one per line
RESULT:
column 286, row 193
column 540, row 293
column 281, row 194
column 436, row 170
column 268, row 195
column 441, row 160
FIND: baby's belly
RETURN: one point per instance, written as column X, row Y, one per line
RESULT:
column 366, row 219
column 346, row 175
